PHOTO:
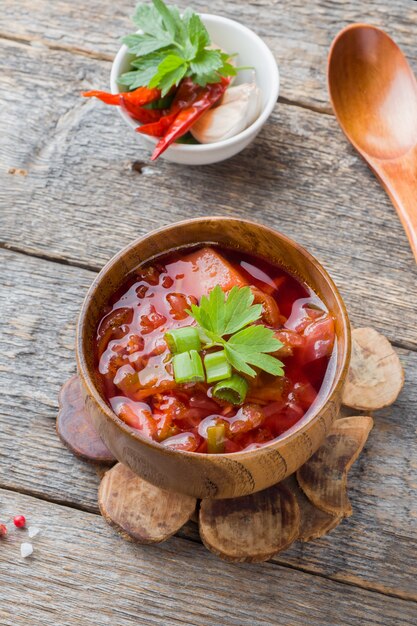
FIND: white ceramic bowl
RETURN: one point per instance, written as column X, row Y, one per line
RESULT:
column 251, row 51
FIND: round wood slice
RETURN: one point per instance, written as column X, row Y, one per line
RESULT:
column 251, row 528
column 75, row 427
column 314, row 523
column 324, row 477
column 376, row 376
column 140, row 511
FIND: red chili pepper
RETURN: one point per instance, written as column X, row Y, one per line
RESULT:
column 158, row 128
column 187, row 93
column 138, row 97
column 144, row 116
column 187, row 116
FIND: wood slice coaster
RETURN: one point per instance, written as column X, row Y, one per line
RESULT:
column 251, row 528
column 305, row 506
column 75, row 428
column 375, row 376
column 314, row 523
column 139, row 510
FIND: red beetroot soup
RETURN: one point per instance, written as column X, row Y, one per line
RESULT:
column 135, row 363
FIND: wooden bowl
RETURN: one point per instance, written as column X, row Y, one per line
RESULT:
column 215, row 475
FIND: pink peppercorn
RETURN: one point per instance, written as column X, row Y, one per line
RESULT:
column 3, row 530
column 19, row 521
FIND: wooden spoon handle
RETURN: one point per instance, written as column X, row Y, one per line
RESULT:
column 399, row 178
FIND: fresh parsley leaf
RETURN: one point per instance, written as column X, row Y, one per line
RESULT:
column 169, row 79
column 148, row 19
column 169, row 18
column 166, row 32
column 224, row 317
column 141, row 45
column 145, row 69
column 169, row 73
column 219, row 316
column 240, row 310
column 227, row 69
column 197, row 33
column 206, row 61
column 250, row 346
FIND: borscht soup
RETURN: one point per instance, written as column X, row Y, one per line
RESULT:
column 213, row 351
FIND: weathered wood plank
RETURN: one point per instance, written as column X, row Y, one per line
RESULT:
column 376, row 548
column 81, row 201
column 298, row 34
column 81, row 573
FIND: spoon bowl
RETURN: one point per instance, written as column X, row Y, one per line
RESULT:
column 373, row 92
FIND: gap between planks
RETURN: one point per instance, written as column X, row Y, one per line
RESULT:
column 99, row 56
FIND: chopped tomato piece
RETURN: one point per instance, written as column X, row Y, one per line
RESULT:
column 136, row 343
column 208, row 269
column 137, row 415
column 188, row 442
column 319, row 339
column 113, row 326
column 179, row 302
column 149, row 275
column 151, row 321
column 270, row 311
column 170, row 405
column 274, row 391
column 305, row 394
column 199, row 400
column 291, row 340
column 146, row 392
column 248, row 417
column 280, row 422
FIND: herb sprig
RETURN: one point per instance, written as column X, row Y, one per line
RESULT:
column 228, row 322
column 170, row 48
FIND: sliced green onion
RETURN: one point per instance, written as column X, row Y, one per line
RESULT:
column 215, row 438
column 183, row 339
column 217, row 366
column 233, row 390
column 188, row 367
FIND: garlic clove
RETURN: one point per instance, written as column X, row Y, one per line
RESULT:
column 238, row 109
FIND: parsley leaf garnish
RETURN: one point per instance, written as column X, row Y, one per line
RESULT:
column 170, row 48
column 228, row 322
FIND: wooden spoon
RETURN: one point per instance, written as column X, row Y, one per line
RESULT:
column 374, row 96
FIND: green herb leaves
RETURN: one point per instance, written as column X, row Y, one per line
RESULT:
column 248, row 347
column 226, row 322
column 223, row 316
column 170, row 48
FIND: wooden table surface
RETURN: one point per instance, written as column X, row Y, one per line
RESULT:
column 70, row 198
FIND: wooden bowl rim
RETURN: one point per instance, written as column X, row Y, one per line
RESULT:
column 92, row 391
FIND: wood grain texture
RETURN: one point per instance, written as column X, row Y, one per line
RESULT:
column 324, row 477
column 376, row 376
column 140, row 511
column 86, row 201
column 74, row 426
column 376, row 547
column 298, row 34
column 252, row 528
column 313, row 522
column 81, row 573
